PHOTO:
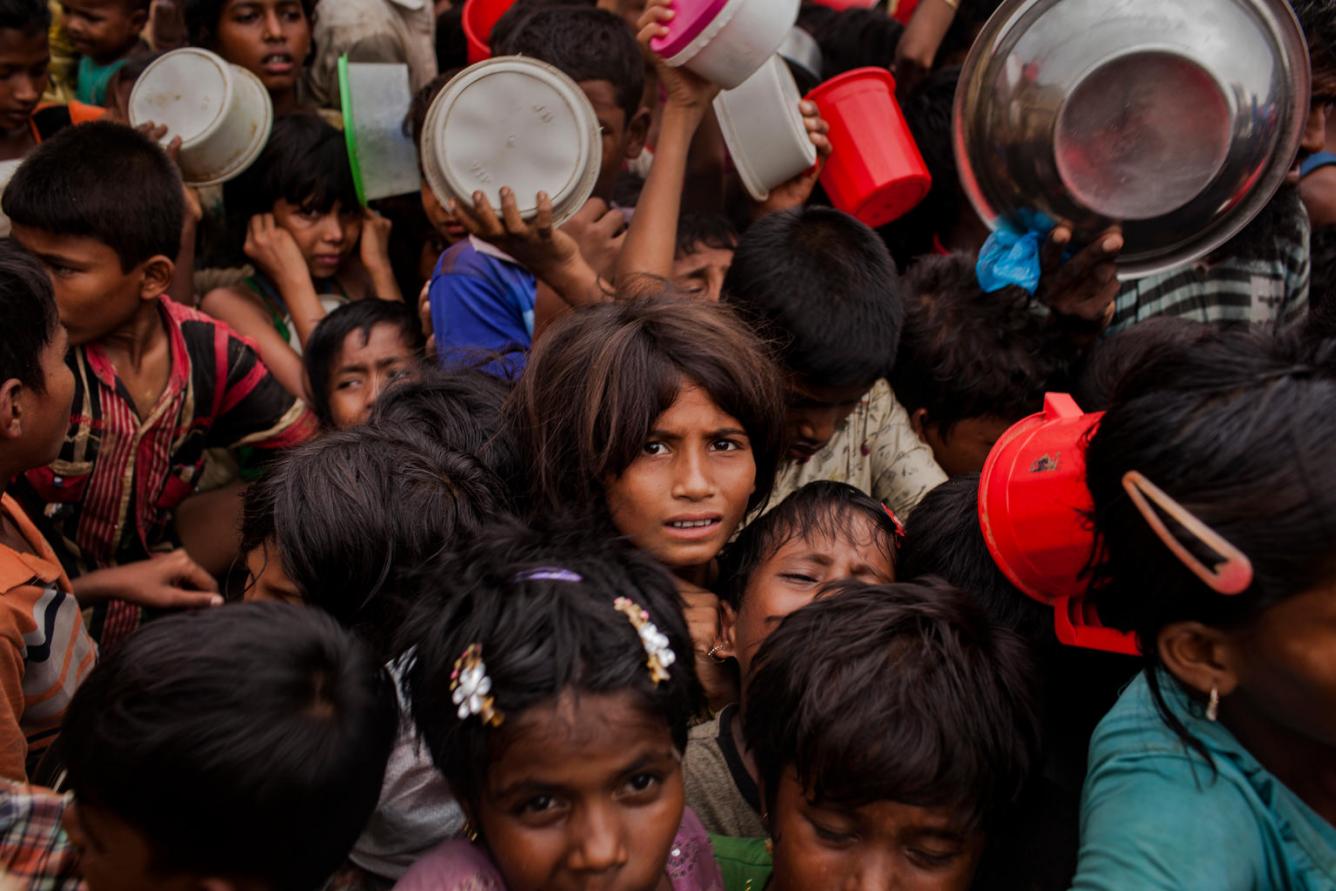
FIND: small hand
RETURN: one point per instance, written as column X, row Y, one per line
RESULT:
column 701, row 610
column 174, row 581
column 273, row 248
column 424, row 316
column 1085, row 286
column 685, row 89
column 795, row 192
column 156, row 133
column 375, row 247
column 599, row 230
column 536, row 244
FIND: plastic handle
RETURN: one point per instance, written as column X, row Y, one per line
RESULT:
column 1070, row 624
column 1061, row 407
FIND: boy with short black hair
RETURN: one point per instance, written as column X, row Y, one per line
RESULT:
column 970, row 364
column 25, row 53
column 242, row 747
column 104, row 33
column 823, row 287
column 705, row 246
column 156, row 383
column 355, row 354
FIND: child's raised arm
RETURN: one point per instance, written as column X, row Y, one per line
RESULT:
column 277, row 255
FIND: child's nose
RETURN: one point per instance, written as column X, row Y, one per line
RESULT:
column 692, row 477
column 598, row 843
column 273, row 26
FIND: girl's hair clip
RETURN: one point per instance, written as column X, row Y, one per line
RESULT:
column 549, row 574
column 471, row 688
column 659, row 654
column 895, row 521
column 1232, row 576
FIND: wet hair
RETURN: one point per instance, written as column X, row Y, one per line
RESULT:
column 305, row 163
column 541, row 637
column 1114, row 357
column 202, row 17
column 1238, row 430
column 585, row 45
column 709, row 229
column 28, row 306
column 244, row 741
column 823, row 508
column 822, row 286
column 600, row 376
column 324, row 349
column 102, row 181
column 463, row 411
column 966, row 354
column 25, row 16
column 902, row 693
column 353, row 515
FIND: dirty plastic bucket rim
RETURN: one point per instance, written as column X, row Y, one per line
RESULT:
column 741, row 162
column 215, row 61
column 678, row 50
column 247, row 158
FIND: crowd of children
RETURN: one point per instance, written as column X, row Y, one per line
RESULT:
column 360, row 544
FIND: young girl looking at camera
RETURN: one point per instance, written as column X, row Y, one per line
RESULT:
column 549, row 681
column 664, row 417
column 269, row 38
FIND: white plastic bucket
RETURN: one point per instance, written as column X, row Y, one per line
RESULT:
column 222, row 113
column 513, row 121
column 735, row 42
column 764, row 129
column 375, row 100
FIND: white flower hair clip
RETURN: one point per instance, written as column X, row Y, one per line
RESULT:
column 471, row 688
column 659, row 654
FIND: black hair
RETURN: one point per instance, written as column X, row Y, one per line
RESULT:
column 967, row 354
column 305, row 163
column 202, row 18
column 1322, row 289
column 26, row 16
column 901, row 692
column 964, row 31
column 1240, row 431
column 1114, row 357
column 710, row 229
column 855, row 38
column 1318, row 18
column 540, row 605
column 103, row 181
column 325, row 346
column 461, row 410
column 354, row 514
column 518, row 13
column 249, row 740
column 823, row 287
column 584, row 44
column 823, row 508
column 28, row 306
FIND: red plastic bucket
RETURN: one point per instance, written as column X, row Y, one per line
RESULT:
column 903, row 10
column 1033, row 509
column 479, row 18
column 875, row 171
column 842, row 5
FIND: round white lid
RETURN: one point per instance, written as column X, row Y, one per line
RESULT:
column 516, row 122
column 187, row 90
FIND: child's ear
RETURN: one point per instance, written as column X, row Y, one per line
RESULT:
column 138, row 19
column 728, row 625
column 637, row 131
column 11, row 420
column 1200, row 657
column 918, row 419
column 157, row 277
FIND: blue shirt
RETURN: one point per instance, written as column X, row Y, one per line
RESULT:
column 1154, row 816
column 482, row 306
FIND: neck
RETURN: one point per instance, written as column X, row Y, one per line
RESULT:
column 132, row 341
column 695, row 575
column 285, row 101
column 1305, row 765
column 15, row 144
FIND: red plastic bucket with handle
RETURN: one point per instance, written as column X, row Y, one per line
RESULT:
column 1034, row 507
column 875, row 171
column 479, row 18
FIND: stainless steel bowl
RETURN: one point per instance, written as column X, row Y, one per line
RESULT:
column 1177, row 119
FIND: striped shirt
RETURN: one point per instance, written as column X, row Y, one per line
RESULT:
column 45, row 653
column 110, row 496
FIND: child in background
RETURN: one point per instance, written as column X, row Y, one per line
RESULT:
column 705, row 246
column 551, row 682
column 448, row 229
column 483, row 303
column 313, row 244
column 662, row 417
column 821, row 286
column 45, row 650
column 894, row 732
column 356, row 353
column 822, row 533
column 269, row 38
column 970, row 364
column 104, row 33
column 299, row 716
column 156, row 384
column 25, row 56
column 1214, row 503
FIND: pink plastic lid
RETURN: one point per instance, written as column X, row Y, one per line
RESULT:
column 693, row 17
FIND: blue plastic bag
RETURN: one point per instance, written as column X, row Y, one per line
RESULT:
column 1011, row 257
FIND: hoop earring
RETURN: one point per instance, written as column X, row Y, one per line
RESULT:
column 1213, row 705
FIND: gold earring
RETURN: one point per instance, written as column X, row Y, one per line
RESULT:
column 470, row 833
column 770, row 847
column 1213, row 705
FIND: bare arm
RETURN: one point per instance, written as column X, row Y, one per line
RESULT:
column 248, row 318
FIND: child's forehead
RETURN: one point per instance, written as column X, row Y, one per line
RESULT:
column 15, row 42
column 602, row 94
column 832, row 525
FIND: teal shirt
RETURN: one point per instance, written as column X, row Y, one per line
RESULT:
column 1154, row 816
column 94, row 78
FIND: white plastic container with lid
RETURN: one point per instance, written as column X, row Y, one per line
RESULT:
column 725, row 41
column 516, row 122
column 764, row 130
column 222, row 112
column 375, row 100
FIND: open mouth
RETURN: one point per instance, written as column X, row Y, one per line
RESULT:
column 277, row 63
column 694, row 528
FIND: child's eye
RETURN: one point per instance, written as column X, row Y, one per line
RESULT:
column 642, row 782
column 726, row 445
column 654, row 448
column 539, row 804
column 348, row 384
column 829, row 835
column 399, row 374
column 800, row 577
column 932, row 860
